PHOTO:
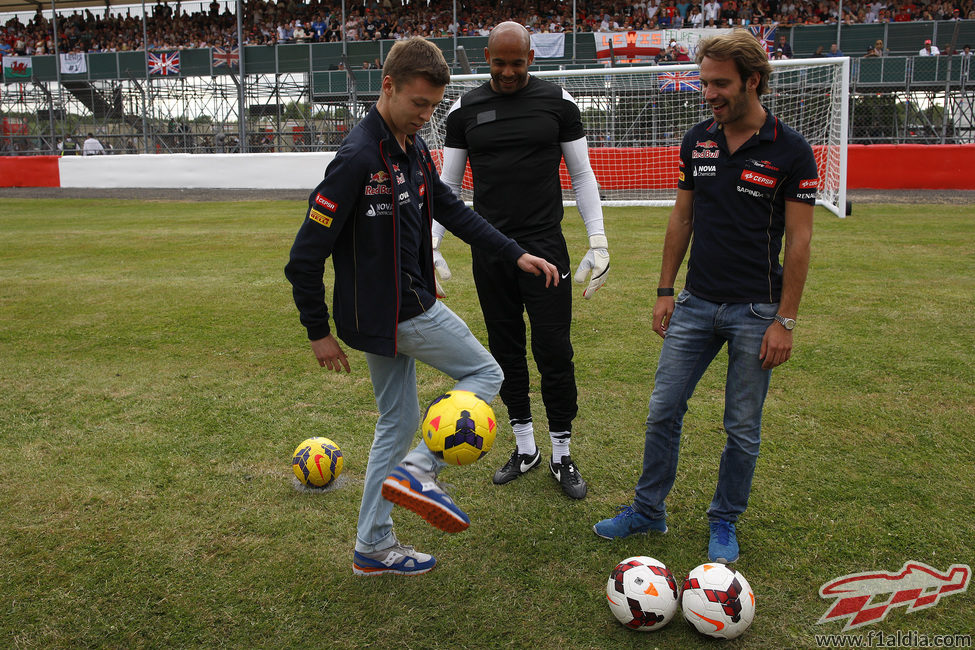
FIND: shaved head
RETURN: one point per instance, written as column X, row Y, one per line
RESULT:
column 509, row 53
column 510, row 32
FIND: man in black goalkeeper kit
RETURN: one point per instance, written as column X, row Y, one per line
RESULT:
column 515, row 130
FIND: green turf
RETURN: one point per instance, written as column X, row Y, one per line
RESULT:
column 155, row 380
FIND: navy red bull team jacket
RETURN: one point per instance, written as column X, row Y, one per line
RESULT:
column 354, row 217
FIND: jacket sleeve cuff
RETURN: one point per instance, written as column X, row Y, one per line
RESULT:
column 318, row 332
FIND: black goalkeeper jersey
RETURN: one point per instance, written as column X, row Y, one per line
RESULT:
column 513, row 143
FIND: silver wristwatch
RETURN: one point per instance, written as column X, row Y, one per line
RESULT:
column 787, row 323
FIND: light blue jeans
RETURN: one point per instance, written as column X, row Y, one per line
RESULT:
column 438, row 338
column 697, row 331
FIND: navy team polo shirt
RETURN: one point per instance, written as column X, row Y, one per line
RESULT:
column 739, row 208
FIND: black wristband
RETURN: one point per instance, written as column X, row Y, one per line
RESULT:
column 665, row 291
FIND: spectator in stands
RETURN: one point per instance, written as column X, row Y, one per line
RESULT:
column 834, row 50
column 929, row 50
column 784, row 47
column 712, row 12
column 877, row 49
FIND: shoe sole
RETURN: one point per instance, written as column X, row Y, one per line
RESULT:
column 721, row 560
column 398, row 491
column 376, row 571
column 510, row 477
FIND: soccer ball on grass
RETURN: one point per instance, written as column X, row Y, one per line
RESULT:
column 459, row 427
column 717, row 601
column 317, row 462
column 642, row 593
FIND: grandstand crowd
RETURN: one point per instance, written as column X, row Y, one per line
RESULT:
column 267, row 23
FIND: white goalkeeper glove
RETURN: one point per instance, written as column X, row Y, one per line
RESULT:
column 597, row 261
column 440, row 264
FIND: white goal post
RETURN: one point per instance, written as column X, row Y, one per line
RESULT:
column 634, row 123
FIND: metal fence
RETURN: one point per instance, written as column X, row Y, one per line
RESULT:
column 306, row 97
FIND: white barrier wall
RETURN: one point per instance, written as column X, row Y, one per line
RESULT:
column 272, row 171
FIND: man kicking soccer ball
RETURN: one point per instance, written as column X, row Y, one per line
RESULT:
column 372, row 214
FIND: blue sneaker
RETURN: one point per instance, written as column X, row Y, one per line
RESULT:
column 398, row 559
column 723, row 547
column 628, row 522
column 420, row 493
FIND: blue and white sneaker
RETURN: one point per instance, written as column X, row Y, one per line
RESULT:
column 626, row 522
column 723, row 547
column 419, row 492
column 399, row 559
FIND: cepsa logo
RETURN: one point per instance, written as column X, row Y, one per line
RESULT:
column 326, row 203
column 758, row 179
column 865, row 598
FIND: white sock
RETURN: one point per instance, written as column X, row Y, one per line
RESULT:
column 524, row 437
column 560, row 444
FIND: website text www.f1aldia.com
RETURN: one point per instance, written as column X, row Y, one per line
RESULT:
column 899, row 639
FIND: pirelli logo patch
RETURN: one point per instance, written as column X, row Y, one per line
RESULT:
column 326, row 203
column 323, row 219
column 680, row 175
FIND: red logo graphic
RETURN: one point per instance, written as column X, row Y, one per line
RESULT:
column 916, row 586
column 758, row 179
column 811, row 183
column 328, row 204
column 378, row 177
column 423, row 189
column 706, row 144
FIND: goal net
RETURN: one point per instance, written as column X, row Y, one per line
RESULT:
column 636, row 117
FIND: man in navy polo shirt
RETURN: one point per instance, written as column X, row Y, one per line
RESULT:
column 745, row 179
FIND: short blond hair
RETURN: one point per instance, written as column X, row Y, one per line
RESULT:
column 744, row 49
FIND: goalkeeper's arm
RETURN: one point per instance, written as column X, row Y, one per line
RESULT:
column 576, row 155
column 454, row 164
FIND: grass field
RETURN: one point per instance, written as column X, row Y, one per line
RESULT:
column 155, row 380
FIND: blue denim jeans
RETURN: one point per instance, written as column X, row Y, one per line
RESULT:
column 438, row 338
column 697, row 331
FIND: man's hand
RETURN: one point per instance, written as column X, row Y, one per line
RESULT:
column 776, row 346
column 663, row 309
column 537, row 266
column 440, row 264
column 329, row 354
column 597, row 261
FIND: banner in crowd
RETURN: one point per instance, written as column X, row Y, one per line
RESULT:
column 164, row 63
column 17, row 67
column 548, row 46
column 766, row 35
column 229, row 57
column 74, row 63
column 637, row 46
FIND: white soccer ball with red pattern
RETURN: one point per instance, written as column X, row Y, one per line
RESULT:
column 642, row 593
column 717, row 601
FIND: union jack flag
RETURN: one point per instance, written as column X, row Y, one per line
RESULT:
column 679, row 81
column 166, row 63
column 228, row 57
column 766, row 36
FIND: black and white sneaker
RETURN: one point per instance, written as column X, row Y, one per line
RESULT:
column 517, row 465
column 567, row 474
